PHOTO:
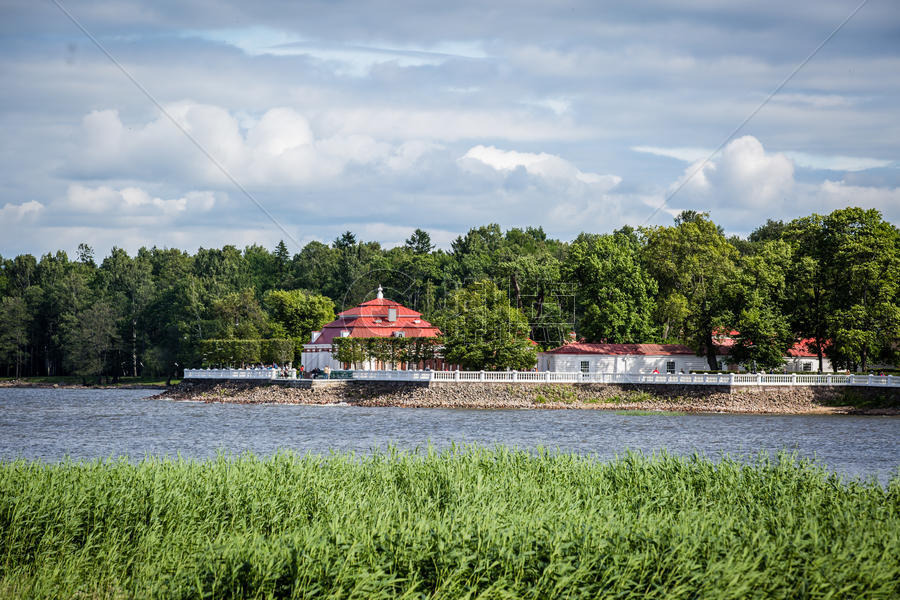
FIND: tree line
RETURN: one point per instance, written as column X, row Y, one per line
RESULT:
column 498, row 296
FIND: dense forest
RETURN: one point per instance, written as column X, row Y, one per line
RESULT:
column 833, row 279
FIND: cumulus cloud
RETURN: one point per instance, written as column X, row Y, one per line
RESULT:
column 804, row 160
column 744, row 175
column 746, row 184
column 280, row 148
column 838, row 194
column 548, row 166
column 130, row 200
column 14, row 213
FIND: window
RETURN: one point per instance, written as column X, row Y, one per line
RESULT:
column 807, row 367
column 670, row 366
column 345, row 333
column 399, row 334
column 585, row 366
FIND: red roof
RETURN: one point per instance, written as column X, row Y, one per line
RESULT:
column 723, row 347
column 370, row 319
column 623, row 349
column 803, row 348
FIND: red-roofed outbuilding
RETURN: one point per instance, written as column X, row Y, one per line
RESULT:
column 621, row 358
column 663, row 358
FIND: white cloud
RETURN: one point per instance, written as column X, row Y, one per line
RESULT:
column 838, row 194
column 448, row 124
column 130, row 201
column 558, row 106
column 745, row 185
column 409, row 153
column 13, row 213
column 804, row 160
column 684, row 153
column 280, row 148
column 815, row 100
column 744, row 175
column 345, row 59
column 544, row 165
column 836, row 163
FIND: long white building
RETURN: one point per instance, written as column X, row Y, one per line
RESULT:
column 621, row 358
column 379, row 317
column 663, row 358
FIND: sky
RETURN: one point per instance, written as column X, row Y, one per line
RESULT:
column 385, row 116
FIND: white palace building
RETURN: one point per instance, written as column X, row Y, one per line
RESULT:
column 376, row 318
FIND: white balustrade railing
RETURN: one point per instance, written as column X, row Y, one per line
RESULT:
column 267, row 373
column 729, row 379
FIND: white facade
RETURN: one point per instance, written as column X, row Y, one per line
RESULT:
column 806, row 364
column 624, row 363
column 318, row 356
column 677, row 363
column 321, row 356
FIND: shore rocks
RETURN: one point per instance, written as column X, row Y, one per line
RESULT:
column 792, row 400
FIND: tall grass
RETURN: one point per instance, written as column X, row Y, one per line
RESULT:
column 460, row 523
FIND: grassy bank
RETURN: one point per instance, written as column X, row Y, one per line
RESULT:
column 73, row 381
column 456, row 524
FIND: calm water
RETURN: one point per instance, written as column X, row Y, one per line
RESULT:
column 52, row 424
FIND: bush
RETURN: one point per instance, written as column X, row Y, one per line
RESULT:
column 280, row 351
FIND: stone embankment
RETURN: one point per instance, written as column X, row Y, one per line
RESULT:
column 794, row 400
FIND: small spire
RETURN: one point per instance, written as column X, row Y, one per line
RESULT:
column 380, row 294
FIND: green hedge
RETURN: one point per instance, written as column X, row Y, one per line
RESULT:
column 389, row 350
column 239, row 352
column 279, row 351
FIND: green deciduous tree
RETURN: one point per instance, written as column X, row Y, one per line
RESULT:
column 296, row 313
column 239, row 315
column 809, row 290
column 693, row 264
column 615, row 292
column 844, row 285
column 90, row 337
column 759, row 307
column 14, row 322
column 128, row 285
column 482, row 331
column 475, row 254
column 864, row 269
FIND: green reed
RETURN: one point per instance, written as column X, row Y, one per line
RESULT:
column 461, row 523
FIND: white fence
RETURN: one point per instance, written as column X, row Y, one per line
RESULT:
column 268, row 373
column 730, row 379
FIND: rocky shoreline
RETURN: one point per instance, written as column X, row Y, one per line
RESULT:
column 690, row 399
